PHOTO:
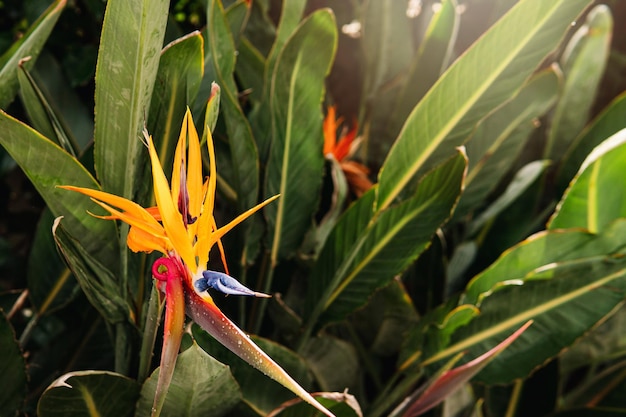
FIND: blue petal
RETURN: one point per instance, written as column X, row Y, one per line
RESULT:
column 201, row 285
column 224, row 283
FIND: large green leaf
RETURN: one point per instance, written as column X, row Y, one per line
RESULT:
column 364, row 253
column 333, row 361
column 201, row 386
column 128, row 59
column 609, row 122
column 387, row 51
column 432, row 333
column 259, row 392
column 388, row 313
column 601, row 345
column 387, row 43
column 290, row 16
column 89, row 393
column 177, row 82
column 29, row 45
column 583, row 64
column 500, row 137
column 542, row 249
column 564, row 299
column 487, row 75
column 295, row 166
column 513, row 268
column 41, row 114
column 12, row 370
column 431, row 59
column 260, row 28
column 237, row 15
column 596, row 196
column 211, row 319
column 500, row 7
column 220, row 65
column 74, row 116
column 520, row 184
column 47, row 166
column 343, row 243
column 565, row 280
column 250, row 69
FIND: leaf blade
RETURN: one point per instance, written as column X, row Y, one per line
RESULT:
column 29, row 45
column 606, row 124
column 177, row 83
column 434, row 129
column 128, row 59
column 200, row 386
column 220, row 63
column 592, row 201
column 500, row 137
column 97, row 237
column 587, row 290
column 295, row 165
column 431, row 60
column 583, row 61
column 364, row 253
column 88, row 393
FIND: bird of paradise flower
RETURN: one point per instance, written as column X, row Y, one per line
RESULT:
column 183, row 228
column 342, row 149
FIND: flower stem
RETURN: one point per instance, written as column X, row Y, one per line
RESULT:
column 172, row 328
column 515, row 398
column 25, row 337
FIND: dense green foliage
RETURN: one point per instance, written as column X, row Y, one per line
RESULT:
column 485, row 191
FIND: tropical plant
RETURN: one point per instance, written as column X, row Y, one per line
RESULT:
column 457, row 234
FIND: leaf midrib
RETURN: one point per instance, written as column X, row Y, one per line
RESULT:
column 131, row 145
column 498, row 141
column 285, row 162
column 382, row 243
